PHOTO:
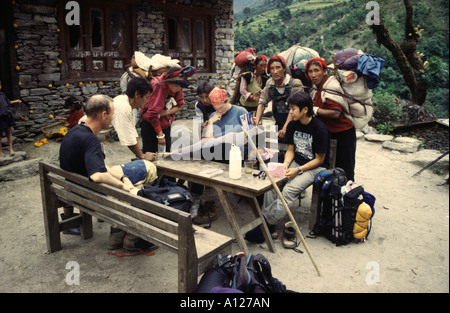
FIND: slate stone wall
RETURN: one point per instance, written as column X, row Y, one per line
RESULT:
column 39, row 67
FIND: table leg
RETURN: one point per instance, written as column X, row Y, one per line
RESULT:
column 265, row 230
column 224, row 200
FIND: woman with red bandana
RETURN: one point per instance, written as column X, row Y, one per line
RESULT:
column 278, row 88
column 253, row 80
column 328, row 108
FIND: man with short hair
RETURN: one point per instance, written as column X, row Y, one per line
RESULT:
column 81, row 152
column 307, row 154
column 135, row 97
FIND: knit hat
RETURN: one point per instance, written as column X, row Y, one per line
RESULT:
column 218, row 96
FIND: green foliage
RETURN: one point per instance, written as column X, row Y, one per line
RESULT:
column 328, row 26
column 384, row 128
column 386, row 110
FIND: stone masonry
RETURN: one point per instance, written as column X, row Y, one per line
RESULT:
column 39, row 67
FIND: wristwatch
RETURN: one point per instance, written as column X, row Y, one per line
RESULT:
column 123, row 176
column 299, row 170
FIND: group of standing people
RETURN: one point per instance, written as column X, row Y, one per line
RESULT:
column 306, row 122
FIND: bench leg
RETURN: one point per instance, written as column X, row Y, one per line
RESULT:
column 86, row 225
column 187, row 258
column 50, row 205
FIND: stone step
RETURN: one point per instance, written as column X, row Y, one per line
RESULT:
column 19, row 156
column 19, row 170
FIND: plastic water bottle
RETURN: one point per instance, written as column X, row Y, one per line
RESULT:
column 235, row 167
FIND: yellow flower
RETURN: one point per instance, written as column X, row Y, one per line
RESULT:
column 15, row 25
column 101, row 83
column 59, row 61
column 18, row 67
column 31, row 111
column 51, row 115
column 80, row 83
column 67, row 85
column 50, row 85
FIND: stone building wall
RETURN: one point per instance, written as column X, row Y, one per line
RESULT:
column 39, row 67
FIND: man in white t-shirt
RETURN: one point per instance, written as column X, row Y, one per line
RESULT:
column 135, row 97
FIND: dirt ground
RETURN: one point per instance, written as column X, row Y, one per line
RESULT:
column 407, row 250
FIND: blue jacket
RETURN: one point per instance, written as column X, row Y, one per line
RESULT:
column 371, row 67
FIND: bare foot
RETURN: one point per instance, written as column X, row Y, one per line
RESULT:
column 12, row 153
column 2, row 155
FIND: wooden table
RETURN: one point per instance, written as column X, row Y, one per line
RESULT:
column 248, row 186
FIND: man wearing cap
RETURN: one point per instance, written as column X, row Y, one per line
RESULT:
column 159, row 112
column 278, row 88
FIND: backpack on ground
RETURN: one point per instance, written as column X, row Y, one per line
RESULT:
column 246, row 273
column 169, row 193
column 345, row 215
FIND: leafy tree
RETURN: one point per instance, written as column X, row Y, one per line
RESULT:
column 405, row 53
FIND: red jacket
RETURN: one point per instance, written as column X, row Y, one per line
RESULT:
column 334, row 125
column 74, row 117
column 157, row 102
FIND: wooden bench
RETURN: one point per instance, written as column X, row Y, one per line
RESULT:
column 154, row 222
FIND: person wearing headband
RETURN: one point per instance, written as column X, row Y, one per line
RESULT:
column 278, row 88
column 227, row 116
column 252, row 82
column 328, row 108
column 164, row 102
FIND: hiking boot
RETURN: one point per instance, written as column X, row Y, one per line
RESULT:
column 289, row 238
column 76, row 231
column 134, row 243
column 206, row 213
column 116, row 238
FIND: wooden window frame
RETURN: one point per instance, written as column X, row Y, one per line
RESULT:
column 88, row 54
column 180, row 13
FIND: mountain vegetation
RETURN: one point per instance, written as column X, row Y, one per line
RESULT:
column 328, row 26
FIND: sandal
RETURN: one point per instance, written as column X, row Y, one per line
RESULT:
column 289, row 238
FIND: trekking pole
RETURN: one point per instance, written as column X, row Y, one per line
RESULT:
column 275, row 186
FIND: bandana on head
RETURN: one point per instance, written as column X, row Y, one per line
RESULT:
column 322, row 62
column 218, row 96
column 277, row 58
column 259, row 59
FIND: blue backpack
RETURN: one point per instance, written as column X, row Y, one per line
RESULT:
column 169, row 193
